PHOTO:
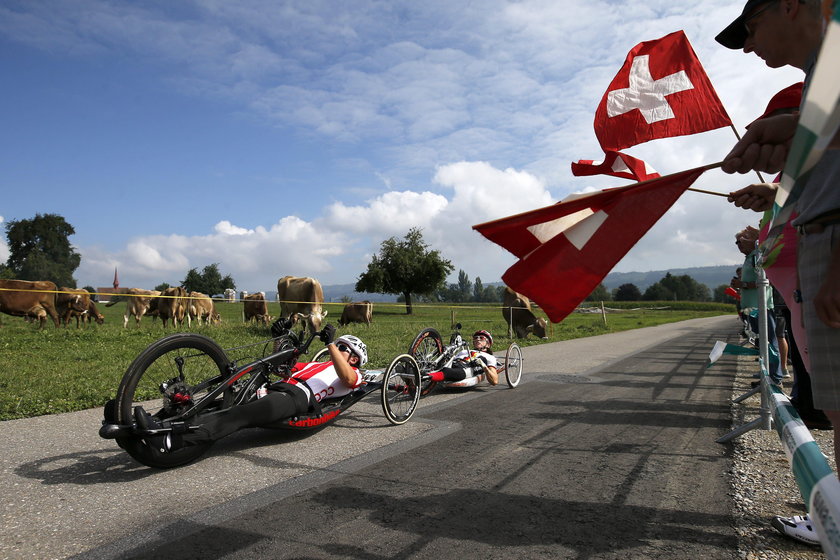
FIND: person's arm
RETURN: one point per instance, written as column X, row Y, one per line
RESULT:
column 758, row 197
column 827, row 300
column 344, row 370
column 764, row 147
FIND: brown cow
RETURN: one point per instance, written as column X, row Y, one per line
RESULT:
column 255, row 307
column 92, row 313
column 71, row 300
column 137, row 303
column 173, row 305
column 524, row 321
column 356, row 312
column 301, row 298
column 20, row 298
column 202, row 309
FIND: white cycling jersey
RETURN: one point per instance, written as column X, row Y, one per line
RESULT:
column 322, row 379
column 469, row 355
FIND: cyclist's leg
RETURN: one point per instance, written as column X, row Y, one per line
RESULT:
column 451, row 374
column 276, row 405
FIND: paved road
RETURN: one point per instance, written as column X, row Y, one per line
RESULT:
column 606, row 450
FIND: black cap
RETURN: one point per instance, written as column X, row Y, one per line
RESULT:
column 735, row 34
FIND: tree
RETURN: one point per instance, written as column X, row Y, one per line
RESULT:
column 209, row 281
column 405, row 267
column 162, row 287
column 677, row 288
column 39, row 249
column 599, row 294
column 464, row 286
column 719, row 295
column 627, row 292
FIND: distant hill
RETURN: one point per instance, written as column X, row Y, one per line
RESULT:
column 712, row 276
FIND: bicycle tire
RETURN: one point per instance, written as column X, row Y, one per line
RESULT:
column 513, row 365
column 400, row 389
column 425, row 349
column 202, row 362
column 322, row 355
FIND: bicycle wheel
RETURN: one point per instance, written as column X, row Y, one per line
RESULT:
column 400, row 389
column 426, row 348
column 166, row 378
column 513, row 365
column 322, row 355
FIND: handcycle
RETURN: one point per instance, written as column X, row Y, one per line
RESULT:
column 431, row 355
column 183, row 375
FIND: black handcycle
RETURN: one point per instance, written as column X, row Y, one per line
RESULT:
column 182, row 376
column 428, row 350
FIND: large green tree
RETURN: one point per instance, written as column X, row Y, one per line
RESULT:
column 405, row 266
column 209, row 281
column 40, row 249
column 677, row 288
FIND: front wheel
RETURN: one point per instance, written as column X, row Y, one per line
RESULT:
column 513, row 365
column 401, row 389
column 166, row 379
column 426, row 349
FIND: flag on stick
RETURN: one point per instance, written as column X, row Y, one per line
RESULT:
column 720, row 348
column 661, row 91
column 566, row 249
column 617, row 165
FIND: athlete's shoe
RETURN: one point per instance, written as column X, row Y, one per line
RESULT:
column 145, row 421
column 798, row 527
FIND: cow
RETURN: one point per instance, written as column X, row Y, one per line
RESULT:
column 523, row 321
column 356, row 312
column 255, row 308
column 92, row 313
column 301, row 298
column 201, row 308
column 173, row 305
column 69, row 301
column 21, row 298
column 137, row 303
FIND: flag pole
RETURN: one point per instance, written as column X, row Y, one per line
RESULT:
column 738, row 136
column 707, row 192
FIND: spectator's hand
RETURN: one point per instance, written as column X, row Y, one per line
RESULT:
column 758, row 197
column 327, row 334
column 827, row 300
column 764, row 147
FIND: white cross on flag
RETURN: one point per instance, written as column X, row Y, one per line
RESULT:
column 617, row 165
column 661, row 91
column 566, row 249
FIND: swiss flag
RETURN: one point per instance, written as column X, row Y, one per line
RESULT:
column 617, row 165
column 661, row 91
column 566, row 249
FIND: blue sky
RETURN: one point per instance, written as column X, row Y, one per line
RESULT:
column 281, row 138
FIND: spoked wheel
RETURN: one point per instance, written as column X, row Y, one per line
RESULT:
column 322, row 355
column 513, row 365
column 401, row 389
column 426, row 348
column 166, row 378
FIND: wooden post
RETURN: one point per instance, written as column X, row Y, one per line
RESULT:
column 452, row 318
column 604, row 313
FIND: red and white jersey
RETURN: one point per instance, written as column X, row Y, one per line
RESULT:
column 322, row 379
column 469, row 355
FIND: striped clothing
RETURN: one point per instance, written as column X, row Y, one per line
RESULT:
column 321, row 380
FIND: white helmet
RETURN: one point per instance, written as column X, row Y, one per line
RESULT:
column 356, row 345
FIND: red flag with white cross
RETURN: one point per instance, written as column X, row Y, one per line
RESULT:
column 661, row 91
column 617, row 165
column 566, row 249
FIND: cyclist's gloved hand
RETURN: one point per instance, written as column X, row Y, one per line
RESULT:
column 327, row 334
column 280, row 327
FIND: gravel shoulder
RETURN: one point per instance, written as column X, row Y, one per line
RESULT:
column 762, row 483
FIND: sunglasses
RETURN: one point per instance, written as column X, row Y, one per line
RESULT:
column 755, row 14
column 343, row 348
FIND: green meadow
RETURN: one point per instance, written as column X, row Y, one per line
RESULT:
column 64, row 369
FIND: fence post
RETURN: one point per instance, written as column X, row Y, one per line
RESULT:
column 604, row 313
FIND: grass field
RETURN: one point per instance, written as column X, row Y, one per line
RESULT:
column 65, row 369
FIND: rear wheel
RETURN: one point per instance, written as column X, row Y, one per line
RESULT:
column 401, row 389
column 426, row 349
column 166, row 379
column 322, row 355
column 513, row 365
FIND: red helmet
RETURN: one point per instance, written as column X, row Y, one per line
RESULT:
column 482, row 332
